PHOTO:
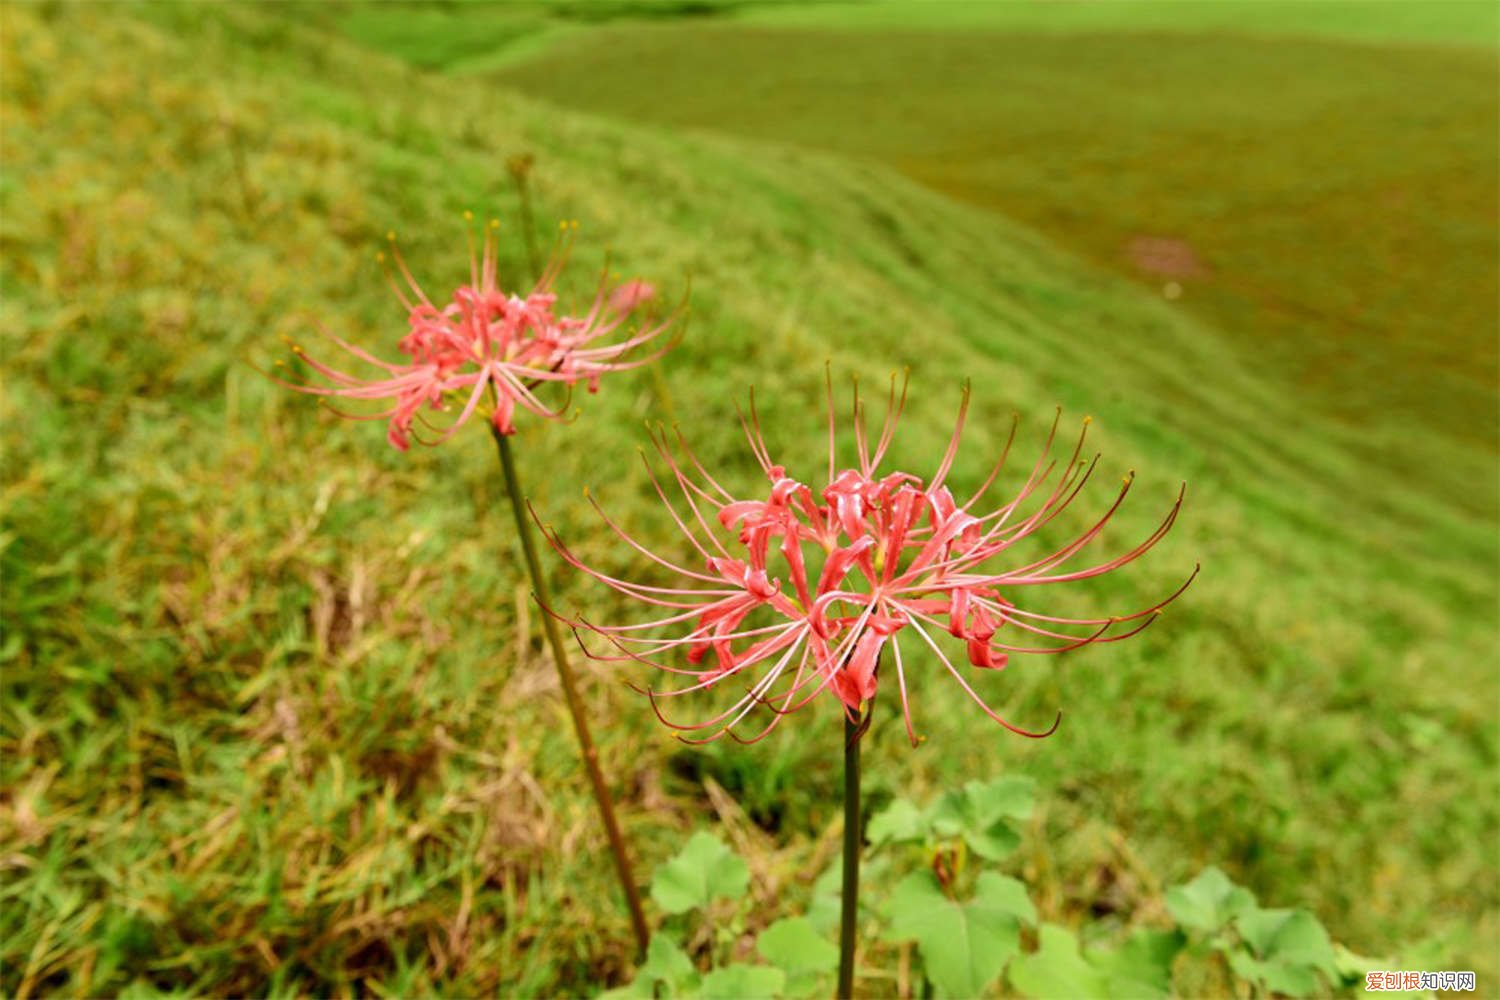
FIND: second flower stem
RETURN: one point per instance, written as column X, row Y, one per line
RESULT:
column 570, row 691
column 849, row 899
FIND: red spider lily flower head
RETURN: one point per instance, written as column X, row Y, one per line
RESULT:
column 487, row 342
column 804, row 589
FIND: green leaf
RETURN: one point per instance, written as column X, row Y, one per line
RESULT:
column 1208, row 902
column 1286, row 980
column 1352, row 967
column 1302, row 939
column 1011, row 797
column 1290, row 948
column 897, row 823
column 705, row 870
column 666, row 964
column 964, row 945
column 1142, row 966
column 794, row 947
column 823, row 908
column 1056, row 969
column 739, row 981
column 1003, row 893
column 1258, row 927
column 982, row 815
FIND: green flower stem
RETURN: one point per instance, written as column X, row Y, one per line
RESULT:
column 849, row 902
column 570, row 690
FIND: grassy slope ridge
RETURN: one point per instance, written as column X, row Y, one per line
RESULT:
column 266, row 725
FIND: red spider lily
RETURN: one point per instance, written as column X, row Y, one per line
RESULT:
column 895, row 555
column 487, row 342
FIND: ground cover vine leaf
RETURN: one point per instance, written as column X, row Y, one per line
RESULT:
column 898, row 823
column 982, row 814
column 738, row 981
column 703, row 871
column 1057, row 968
column 964, row 945
column 1209, row 902
column 1288, row 950
column 667, row 972
column 795, row 947
column 1142, row 966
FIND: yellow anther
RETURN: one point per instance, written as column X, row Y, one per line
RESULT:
column 390, row 234
column 380, row 256
column 563, row 224
column 494, row 223
column 1088, row 420
column 468, row 215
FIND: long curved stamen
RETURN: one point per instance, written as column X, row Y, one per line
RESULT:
column 980, row 701
column 896, row 553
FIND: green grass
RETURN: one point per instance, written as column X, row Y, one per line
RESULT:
column 1329, row 207
column 1439, row 22
column 268, row 724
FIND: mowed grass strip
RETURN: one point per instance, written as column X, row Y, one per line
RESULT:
column 271, row 717
column 1328, row 207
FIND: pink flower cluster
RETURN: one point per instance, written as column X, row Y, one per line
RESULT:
column 806, row 588
column 484, row 341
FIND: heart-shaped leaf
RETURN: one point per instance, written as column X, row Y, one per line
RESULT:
column 667, row 967
column 1290, row 947
column 797, row 949
column 983, row 814
column 739, row 981
column 964, row 945
column 1209, row 902
column 899, row 822
column 1056, row 968
column 705, row 870
column 1141, row 967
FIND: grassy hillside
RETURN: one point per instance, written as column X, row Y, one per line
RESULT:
column 1328, row 206
column 1432, row 22
column 269, row 724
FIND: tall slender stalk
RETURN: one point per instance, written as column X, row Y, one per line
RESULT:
column 570, row 690
column 854, row 728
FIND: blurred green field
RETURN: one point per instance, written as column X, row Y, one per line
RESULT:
column 269, row 725
column 1329, row 206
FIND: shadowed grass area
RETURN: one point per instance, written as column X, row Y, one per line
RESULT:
column 271, row 721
